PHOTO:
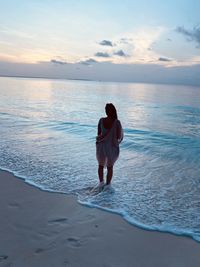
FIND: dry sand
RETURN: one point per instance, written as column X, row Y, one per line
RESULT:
column 43, row 229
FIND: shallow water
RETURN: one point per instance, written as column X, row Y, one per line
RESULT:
column 48, row 130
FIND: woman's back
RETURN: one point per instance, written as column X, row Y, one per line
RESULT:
column 107, row 123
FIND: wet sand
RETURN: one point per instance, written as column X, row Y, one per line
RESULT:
column 44, row 229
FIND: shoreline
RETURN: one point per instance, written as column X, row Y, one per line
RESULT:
column 41, row 228
column 129, row 221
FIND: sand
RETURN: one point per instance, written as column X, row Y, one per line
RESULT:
column 43, row 229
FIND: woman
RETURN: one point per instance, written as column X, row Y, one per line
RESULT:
column 109, row 136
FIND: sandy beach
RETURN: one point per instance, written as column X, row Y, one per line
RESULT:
column 43, row 229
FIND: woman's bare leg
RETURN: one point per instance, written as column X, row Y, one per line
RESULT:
column 100, row 173
column 109, row 175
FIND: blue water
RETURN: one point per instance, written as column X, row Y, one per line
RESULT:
column 48, row 129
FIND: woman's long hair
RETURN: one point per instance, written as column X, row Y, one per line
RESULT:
column 111, row 111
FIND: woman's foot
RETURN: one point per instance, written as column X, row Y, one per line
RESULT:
column 98, row 188
column 101, row 185
column 107, row 186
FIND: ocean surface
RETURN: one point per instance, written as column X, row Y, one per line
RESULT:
column 48, row 130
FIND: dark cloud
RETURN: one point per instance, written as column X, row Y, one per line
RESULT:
column 164, row 59
column 60, row 62
column 120, row 53
column 102, row 54
column 192, row 35
column 106, row 43
column 125, row 40
column 169, row 39
column 88, row 62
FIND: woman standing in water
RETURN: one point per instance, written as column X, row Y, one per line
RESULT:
column 109, row 136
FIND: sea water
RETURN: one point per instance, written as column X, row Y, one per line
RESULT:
column 48, row 130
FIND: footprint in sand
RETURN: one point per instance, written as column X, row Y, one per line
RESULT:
column 73, row 242
column 39, row 250
column 59, row 220
column 13, row 205
column 66, row 263
column 3, row 257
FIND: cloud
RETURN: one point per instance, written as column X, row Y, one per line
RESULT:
column 192, row 35
column 164, row 59
column 120, row 53
column 106, row 43
column 102, row 54
column 60, row 62
column 138, row 45
column 125, row 40
column 88, row 62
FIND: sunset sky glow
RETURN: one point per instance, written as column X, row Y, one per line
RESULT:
column 164, row 33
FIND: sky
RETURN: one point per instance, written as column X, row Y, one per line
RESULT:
column 105, row 40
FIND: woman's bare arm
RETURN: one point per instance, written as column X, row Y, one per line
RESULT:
column 119, row 131
column 99, row 128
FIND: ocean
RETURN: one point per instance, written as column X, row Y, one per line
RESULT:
column 48, row 129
